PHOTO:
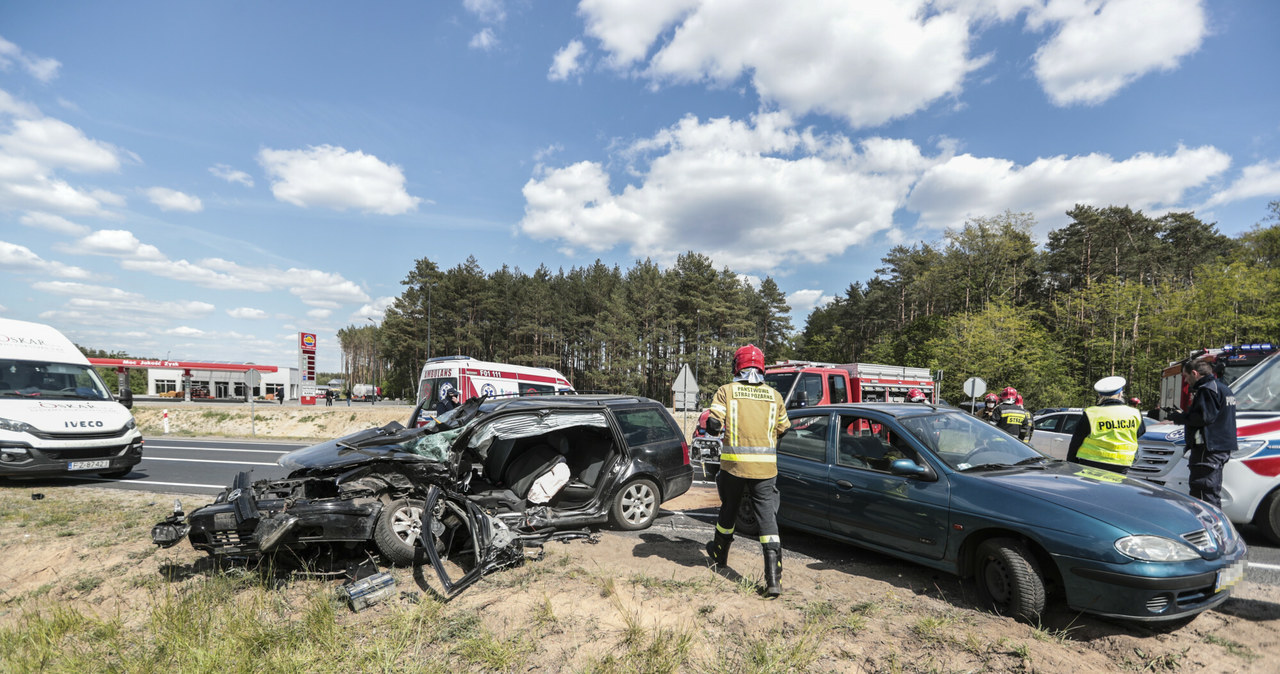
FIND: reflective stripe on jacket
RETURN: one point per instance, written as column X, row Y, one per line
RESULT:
column 1113, row 434
column 753, row 416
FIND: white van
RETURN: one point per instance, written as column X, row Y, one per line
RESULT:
column 57, row 417
column 473, row 378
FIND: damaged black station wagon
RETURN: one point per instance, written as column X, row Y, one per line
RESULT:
column 478, row 483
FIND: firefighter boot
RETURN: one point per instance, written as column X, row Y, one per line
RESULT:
column 772, row 572
column 718, row 550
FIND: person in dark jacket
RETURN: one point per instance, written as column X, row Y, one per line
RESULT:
column 450, row 401
column 1011, row 417
column 1210, row 422
column 1107, row 437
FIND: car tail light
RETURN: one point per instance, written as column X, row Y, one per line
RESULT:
column 684, row 451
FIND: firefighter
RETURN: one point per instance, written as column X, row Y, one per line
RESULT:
column 1135, row 402
column 752, row 415
column 915, row 395
column 1011, row 417
column 1108, row 438
column 1210, row 422
column 988, row 411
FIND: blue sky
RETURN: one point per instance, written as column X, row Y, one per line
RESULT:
column 205, row 180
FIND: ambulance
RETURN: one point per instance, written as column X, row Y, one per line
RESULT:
column 57, row 417
column 472, row 378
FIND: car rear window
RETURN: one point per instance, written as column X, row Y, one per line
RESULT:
column 645, row 425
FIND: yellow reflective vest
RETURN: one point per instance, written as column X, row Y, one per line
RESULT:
column 753, row 416
column 1113, row 435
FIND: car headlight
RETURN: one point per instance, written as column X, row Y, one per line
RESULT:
column 1155, row 549
column 15, row 426
column 1245, row 448
column 131, row 424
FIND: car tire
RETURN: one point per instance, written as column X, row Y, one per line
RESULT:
column 397, row 531
column 1009, row 579
column 635, row 505
column 746, row 523
column 1268, row 517
column 115, row 474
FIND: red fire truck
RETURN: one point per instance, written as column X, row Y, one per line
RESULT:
column 1231, row 361
column 806, row 383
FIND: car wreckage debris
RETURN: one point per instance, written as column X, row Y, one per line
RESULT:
column 363, row 593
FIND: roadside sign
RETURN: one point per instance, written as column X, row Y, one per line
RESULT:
column 974, row 387
column 684, row 390
column 252, row 379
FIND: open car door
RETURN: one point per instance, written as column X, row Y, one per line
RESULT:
column 463, row 543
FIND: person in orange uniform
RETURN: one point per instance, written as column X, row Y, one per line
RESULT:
column 752, row 416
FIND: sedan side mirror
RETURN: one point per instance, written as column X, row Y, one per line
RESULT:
column 800, row 399
column 909, row 468
column 126, row 399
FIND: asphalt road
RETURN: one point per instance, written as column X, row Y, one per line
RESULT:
column 206, row 466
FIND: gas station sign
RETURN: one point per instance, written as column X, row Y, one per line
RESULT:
column 307, row 367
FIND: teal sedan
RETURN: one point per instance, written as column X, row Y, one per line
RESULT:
column 938, row 487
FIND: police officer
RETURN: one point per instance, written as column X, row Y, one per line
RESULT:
column 1011, row 417
column 1210, row 422
column 1107, row 437
column 449, row 402
column 752, row 416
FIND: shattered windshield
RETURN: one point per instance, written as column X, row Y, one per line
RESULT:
column 1259, row 389
column 37, row 379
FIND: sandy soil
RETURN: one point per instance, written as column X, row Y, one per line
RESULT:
column 652, row 598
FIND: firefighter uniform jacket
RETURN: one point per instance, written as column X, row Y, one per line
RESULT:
column 753, row 416
column 1013, row 419
column 1108, row 434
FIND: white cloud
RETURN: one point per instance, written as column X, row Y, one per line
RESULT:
column 375, row 310
column 565, row 63
column 55, row 144
column 491, row 11
column 52, row 223
column 106, row 306
column 484, row 40
column 41, row 68
column 1099, row 47
column 545, row 153
column 116, row 243
column 331, row 177
column 173, row 200
column 319, row 314
column 323, row 289
column 248, row 313
column 12, row 106
column 20, row 259
column 1259, row 180
column 184, row 331
column 753, row 196
column 231, row 175
column 628, row 28
column 964, row 186
column 804, row 301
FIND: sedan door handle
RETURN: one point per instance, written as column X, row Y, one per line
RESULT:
column 844, row 484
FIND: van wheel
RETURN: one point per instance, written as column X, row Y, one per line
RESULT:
column 635, row 506
column 397, row 531
column 115, row 474
column 1268, row 517
column 1009, row 579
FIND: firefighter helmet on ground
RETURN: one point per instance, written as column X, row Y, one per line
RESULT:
column 915, row 395
column 748, row 356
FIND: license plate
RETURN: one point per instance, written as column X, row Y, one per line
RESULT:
column 89, row 465
column 1229, row 576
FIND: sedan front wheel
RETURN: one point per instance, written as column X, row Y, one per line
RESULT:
column 397, row 530
column 1009, row 579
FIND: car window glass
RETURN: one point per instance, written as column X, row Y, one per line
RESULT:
column 645, row 425
column 807, row 438
column 963, row 441
column 868, row 444
column 811, row 384
column 1070, row 422
column 835, row 383
column 1049, row 423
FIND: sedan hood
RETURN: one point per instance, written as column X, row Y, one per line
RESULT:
column 1172, row 433
column 375, row 444
column 1134, row 506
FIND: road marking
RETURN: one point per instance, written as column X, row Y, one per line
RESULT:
column 166, row 484
column 1269, row 567
column 238, row 463
column 213, row 449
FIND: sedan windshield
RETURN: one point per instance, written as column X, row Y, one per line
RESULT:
column 966, row 443
column 1259, row 389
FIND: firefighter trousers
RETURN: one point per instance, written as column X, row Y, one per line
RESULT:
column 763, row 495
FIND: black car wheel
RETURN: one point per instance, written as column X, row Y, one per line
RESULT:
column 1268, row 517
column 397, row 530
column 746, row 523
column 635, row 506
column 1009, row 579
